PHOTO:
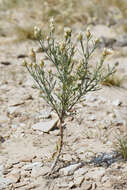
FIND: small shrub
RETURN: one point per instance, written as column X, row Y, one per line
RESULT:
column 66, row 85
column 121, row 146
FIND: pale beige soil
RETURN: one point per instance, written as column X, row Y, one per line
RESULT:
column 94, row 129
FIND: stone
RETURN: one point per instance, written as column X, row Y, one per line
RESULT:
column 43, row 171
column 20, row 184
column 80, row 172
column 107, row 42
column 104, row 179
column 14, row 175
column 121, row 41
column 19, row 165
column 109, row 143
column 69, row 170
column 5, row 63
column 119, row 121
column 15, row 162
column 3, row 119
column 71, row 185
column 107, row 184
column 87, row 186
column 65, row 185
column 67, row 157
column 12, row 109
column 44, row 114
column 8, row 166
column 91, row 98
column 45, row 126
column 27, row 158
column 95, row 174
column 78, row 181
column 116, row 102
column 37, row 171
column 55, row 132
column 1, row 170
column 92, row 118
column 100, row 30
column 32, row 186
column 94, row 185
column 31, row 165
column 120, row 117
column 4, row 182
column 25, row 173
column 29, row 82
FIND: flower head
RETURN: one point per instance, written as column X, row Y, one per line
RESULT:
column 41, row 63
column 37, row 32
column 96, row 41
column 106, row 52
column 62, row 46
column 32, row 55
column 68, row 31
column 79, row 37
column 52, row 26
column 24, row 63
column 88, row 33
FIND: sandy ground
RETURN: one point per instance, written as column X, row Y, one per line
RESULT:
column 94, row 129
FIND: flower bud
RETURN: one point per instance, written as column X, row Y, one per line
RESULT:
column 88, row 33
column 106, row 52
column 52, row 27
column 51, row 20
column 41, row 63
column 34, row 65
column 24, row 63
column 79, row 37
column 116, row 64
column 65, row 35
column 80, row 65
column 62, row 46
column 68, row 31
column 32, row 55
column 47, row 38
column 50, row 72
column 37, row 32
column 96, row 41
column 30, row 64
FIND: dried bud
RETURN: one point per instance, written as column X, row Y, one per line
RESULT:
column 52, row 27
column 96, row 41
column 79, row 37
column 68, row 31
column 62, row 46
column 106, row 52
column 41, row 63
column 30, row 64
column 88, row 33
column 50, row 71
column 37, row 32
column 47, row 38
column 80, row 65
column 51, row 20
column 24, row 63
column 116, row 64
column 32, row 55
column 65, row 35
column 34, row 65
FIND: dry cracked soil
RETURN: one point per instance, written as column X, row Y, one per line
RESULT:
column 26, row 151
